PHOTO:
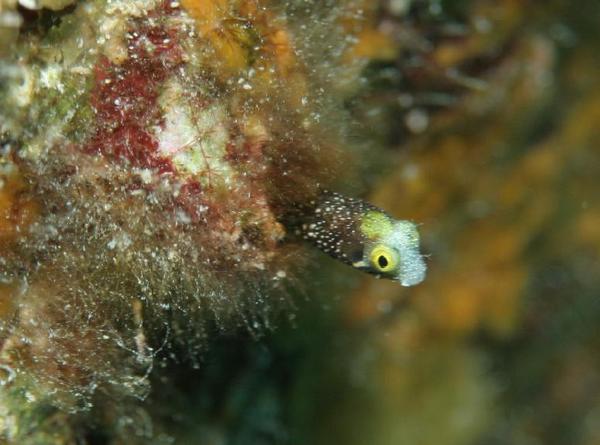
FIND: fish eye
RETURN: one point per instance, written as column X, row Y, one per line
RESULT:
column 384, row 259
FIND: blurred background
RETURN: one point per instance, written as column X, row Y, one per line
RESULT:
column 480, row 120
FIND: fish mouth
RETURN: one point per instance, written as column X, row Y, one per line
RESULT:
column 412, row 270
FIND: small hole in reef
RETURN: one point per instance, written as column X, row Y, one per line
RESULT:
column 382, row 261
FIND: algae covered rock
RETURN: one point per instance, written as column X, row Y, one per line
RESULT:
column 149, row 150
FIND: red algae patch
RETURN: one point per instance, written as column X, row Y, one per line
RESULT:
column 124, row 97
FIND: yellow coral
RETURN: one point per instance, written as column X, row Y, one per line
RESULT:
column 17, row 211
column 240, row 34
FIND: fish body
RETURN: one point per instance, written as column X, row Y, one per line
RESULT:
column 365, row 237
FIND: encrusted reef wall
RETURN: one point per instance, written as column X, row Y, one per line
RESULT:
column 150, row 150
column 152, row 291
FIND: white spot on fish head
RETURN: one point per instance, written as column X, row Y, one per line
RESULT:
column 404, row 238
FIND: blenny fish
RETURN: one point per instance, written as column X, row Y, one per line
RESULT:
column 365, row 237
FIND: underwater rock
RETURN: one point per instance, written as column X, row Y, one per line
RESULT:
column 149, row 151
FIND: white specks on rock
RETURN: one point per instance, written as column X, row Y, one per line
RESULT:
column 120, row 242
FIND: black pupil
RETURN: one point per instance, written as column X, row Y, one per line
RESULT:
column 382, row 261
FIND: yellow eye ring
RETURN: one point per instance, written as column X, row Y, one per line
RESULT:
column 383, row 258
